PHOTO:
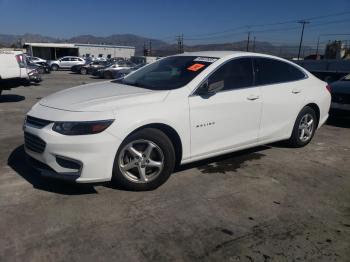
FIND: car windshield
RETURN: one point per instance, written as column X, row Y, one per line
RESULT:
column 169, row 73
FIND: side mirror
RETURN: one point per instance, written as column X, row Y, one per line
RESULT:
column 207, row 89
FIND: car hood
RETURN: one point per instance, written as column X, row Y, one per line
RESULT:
column 103, row 96
column 341, row 87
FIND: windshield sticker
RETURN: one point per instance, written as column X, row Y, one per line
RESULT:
column 195, row 67
column 205, row 59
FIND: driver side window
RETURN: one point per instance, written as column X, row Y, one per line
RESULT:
column 237, row 73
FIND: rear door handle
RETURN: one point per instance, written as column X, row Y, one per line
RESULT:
column 253, row 97
column 296, row 91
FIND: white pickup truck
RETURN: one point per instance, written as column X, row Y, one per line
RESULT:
column 12, row 66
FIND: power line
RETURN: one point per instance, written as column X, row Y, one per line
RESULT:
column 272, row 24
column 280, row 29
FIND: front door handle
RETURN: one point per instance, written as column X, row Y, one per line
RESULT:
column 253, row 97
column 296, row 91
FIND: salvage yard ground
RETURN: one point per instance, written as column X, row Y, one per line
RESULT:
column 270, row 203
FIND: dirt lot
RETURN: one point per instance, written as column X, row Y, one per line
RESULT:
column 269, row 203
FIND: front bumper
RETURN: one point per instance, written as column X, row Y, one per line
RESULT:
column 84, row 158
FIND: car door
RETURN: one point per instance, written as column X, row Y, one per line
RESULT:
column 282, row 96
column 65, row 62
column 230, row 117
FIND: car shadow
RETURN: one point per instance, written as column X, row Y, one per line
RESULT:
column 11, row 98
column 18, row 163
column 225, row 163
column 339, row 121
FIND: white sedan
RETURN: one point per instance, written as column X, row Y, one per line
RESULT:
column 177, row 110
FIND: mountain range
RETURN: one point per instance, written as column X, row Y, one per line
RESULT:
column 159, row 48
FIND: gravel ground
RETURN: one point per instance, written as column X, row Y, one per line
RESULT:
column 268, row 203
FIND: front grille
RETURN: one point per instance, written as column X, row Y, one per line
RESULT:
column 37, row 122
column 341, row 98
column 34, row 143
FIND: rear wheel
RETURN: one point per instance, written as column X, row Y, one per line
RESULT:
column 83, row 71
column 304, row 128
column 144, row 160
column 107, row 75
column 54, row 67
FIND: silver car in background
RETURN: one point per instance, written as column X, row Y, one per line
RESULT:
column 66, row 62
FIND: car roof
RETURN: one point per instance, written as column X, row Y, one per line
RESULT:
column 219, row 54
column 227, row 54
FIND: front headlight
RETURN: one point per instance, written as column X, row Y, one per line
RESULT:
column 81, row 128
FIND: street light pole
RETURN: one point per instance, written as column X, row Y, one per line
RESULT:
column 303, row 22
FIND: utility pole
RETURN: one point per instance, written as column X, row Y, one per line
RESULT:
column 318, row 43
column 150, row 47
column 145, row 51
column 248, row 41
column 303, row 22
column 180, row 43
column 254, row 44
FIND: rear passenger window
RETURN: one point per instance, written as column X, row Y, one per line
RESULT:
column 271, row 71
column 237, row 73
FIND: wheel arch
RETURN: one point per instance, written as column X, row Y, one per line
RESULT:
column 316, row 108
column 171, row 133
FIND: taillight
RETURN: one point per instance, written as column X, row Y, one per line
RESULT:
column 329, row 88
column 18, row 58
column 20, row 61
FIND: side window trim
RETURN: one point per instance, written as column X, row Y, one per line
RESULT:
column 194, row 92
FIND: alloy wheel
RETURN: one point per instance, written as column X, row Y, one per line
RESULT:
column 141, row 161
column 306, row 127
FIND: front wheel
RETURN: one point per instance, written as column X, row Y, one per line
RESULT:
column 83, row 71
column 54, row 67
column 144, row 160
column 304, row 128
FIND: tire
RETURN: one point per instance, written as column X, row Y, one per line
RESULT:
column 83, row 71
column 305, row 116
column 107, row 75
column 153, row 152
column 54, row 67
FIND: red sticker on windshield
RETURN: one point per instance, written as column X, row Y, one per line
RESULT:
column 195, row 67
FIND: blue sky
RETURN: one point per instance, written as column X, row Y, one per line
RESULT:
column 163, row 19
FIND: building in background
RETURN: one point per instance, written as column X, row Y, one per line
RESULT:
column 52, row 51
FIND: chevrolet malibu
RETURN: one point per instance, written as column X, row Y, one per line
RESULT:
column 177, row 110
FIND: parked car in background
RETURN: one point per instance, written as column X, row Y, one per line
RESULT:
column 118, row 74
column 13, row 66
column 121, row 73
column 35, row 59
column 76, row 68
column 66, row 62
column 95, row 65
column 177, row 110
column 110, row 71
column 42, row 67
column 341, row 97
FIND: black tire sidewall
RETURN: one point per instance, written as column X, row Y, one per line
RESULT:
column 54, row 67
column 83, row 71
column 107, row 75
column 294, row 140
column 161, row 140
